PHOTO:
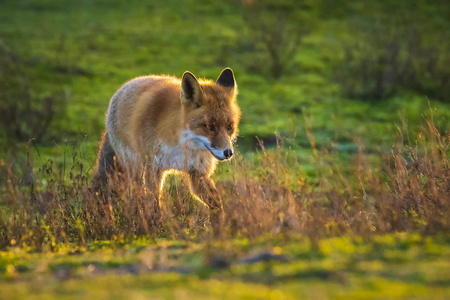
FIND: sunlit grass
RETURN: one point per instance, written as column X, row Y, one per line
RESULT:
column 395, row 265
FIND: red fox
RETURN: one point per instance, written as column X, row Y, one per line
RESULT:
column 161, row 123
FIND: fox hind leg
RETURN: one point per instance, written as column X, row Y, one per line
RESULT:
column 153, row 181
column 106, row 166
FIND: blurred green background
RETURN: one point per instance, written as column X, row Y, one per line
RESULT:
column 355, row 69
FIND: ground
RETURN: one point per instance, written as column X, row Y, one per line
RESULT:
column 394, row 266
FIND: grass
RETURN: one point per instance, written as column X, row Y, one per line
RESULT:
column 390, row 266
column 342, row 198
column 93, row 48
column 285, row 235
column 406, row 190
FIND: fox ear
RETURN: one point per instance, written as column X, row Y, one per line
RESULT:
column 191, row 91
column 226, row 78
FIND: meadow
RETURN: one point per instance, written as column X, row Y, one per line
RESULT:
column 340, row 188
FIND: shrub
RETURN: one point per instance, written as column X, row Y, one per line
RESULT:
column 396, row 50
column 24, row 113
column 275, row 32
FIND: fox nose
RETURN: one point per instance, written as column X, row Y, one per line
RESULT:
column 228, row 153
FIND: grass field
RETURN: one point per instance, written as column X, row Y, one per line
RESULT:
column 394, row 266
column 340, row 188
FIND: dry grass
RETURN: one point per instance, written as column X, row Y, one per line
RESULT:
column 409, row 191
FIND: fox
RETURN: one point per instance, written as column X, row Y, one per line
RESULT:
column 158, row 124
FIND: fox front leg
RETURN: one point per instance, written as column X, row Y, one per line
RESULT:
column 204, row 187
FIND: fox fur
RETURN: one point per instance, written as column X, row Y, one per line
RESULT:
column 155, row 124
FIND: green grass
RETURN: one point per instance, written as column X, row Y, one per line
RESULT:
column 394, row 266
column 85, row 51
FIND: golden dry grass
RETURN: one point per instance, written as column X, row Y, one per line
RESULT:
column 409, row 190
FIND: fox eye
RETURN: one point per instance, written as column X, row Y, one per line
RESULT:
column 230, row 127
column 211, row 127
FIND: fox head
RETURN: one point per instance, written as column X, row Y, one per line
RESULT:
column 211, row 114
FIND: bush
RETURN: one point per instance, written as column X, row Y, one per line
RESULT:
column 275, row 32
column 395, row 53
column 24, row 113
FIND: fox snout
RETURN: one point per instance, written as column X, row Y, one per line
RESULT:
column 223, row 143
column 202, row 142
column 228, row 153
column 223, row 147
column 221, row 154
